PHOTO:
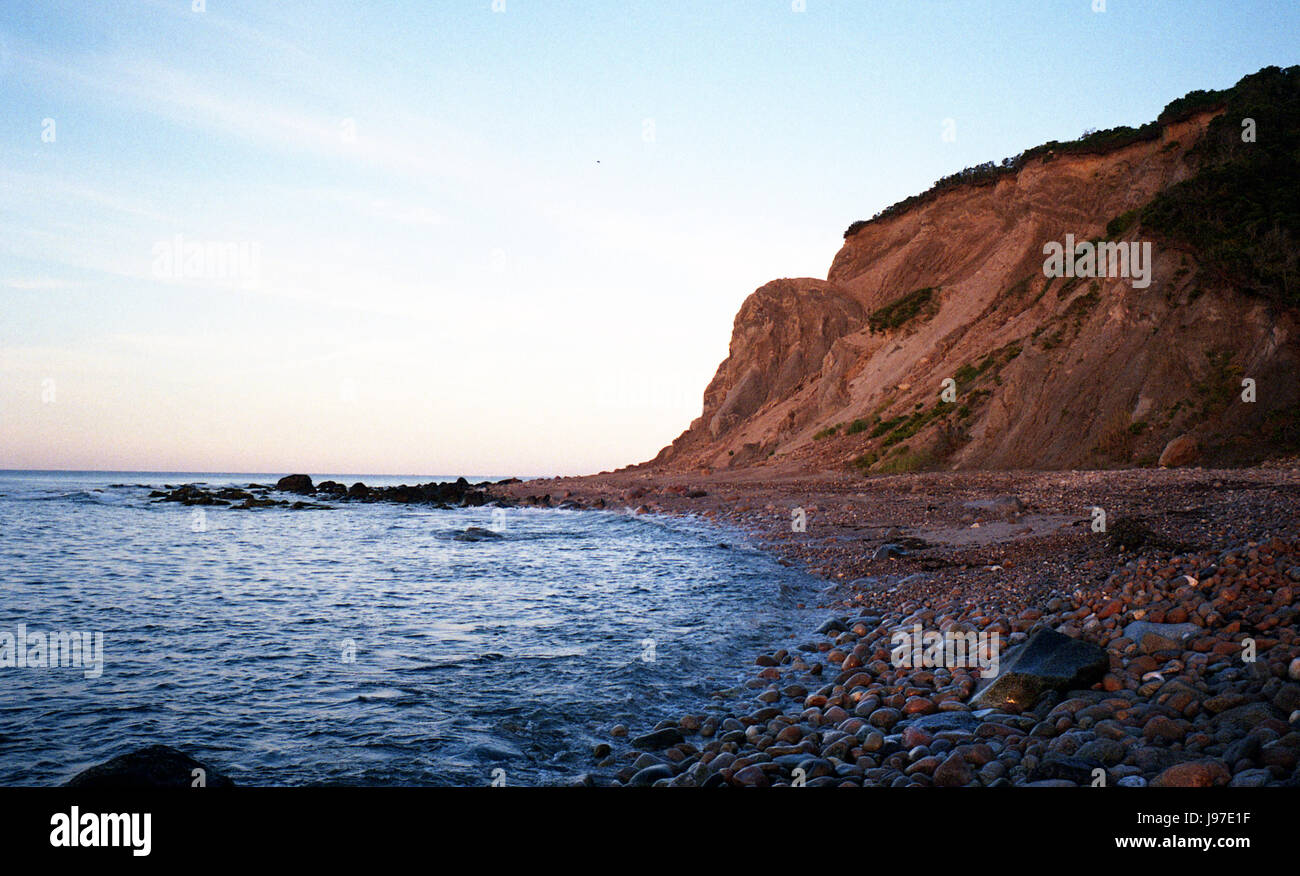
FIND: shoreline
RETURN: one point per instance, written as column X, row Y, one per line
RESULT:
column 1148, row 614
column 1191, row 564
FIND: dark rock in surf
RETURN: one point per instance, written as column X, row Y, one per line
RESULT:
column 158, row 766
column 650, row 775
column 477, row 533
column 659, row 739
column 295, row 483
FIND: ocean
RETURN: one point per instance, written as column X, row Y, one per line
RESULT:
column 362, row 645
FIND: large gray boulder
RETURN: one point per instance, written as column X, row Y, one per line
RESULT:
column 1048, row 661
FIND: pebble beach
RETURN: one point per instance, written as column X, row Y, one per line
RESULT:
column 1159, row 649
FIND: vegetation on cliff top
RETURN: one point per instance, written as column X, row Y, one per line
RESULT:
column 1091, row 143
column 1241, row 210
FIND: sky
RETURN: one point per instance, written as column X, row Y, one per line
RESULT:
column 467, row 237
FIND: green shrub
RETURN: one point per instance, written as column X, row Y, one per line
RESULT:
column 885, row 426
column 903, row 460
column 916, row 422
column 864, row 462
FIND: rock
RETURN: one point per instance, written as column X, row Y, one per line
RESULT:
column 815, row 767
column 358, row 491
column 1106, row 752
column 158, row 766
column 1183, row 450
column 1159, row 637
column 1224, row 701
column 1242, row 719
column 1048, row 661
column 295, row 483
column 834, row 625
column 234, row 494
column 941, row 721
column 1193, row 774
column 1154, row 758
column 1278, row 755
column 651, row 774
column 1131, row 782
column 646, row 760
column 1251, row 779
column 751, row 777
column 884, row 718
column 1245, row 748
column 890, row 551
column 249, row 504
column 477, row 533
column 1165, row 729
column 1072, row 769
column 953, row 772
column 1287, row 698
column 912, row 737
column 658, row 739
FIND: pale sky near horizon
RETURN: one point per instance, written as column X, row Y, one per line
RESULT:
column 487, row 242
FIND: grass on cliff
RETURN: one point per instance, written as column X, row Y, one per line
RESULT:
column 898, row 313
column 904, row 460
column 916, row 422
column 894, row 431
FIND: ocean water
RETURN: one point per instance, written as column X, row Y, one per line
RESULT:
column 364, row 645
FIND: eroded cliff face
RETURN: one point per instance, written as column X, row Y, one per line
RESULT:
column 1047, row 372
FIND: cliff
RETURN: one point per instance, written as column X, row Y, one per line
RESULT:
column 1045, row 371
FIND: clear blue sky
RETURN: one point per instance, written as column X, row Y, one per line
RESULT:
column 488, row 242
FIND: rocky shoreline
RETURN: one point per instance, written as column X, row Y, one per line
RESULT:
column 1162, row 649
column 1126, row 650
column 447, row 494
